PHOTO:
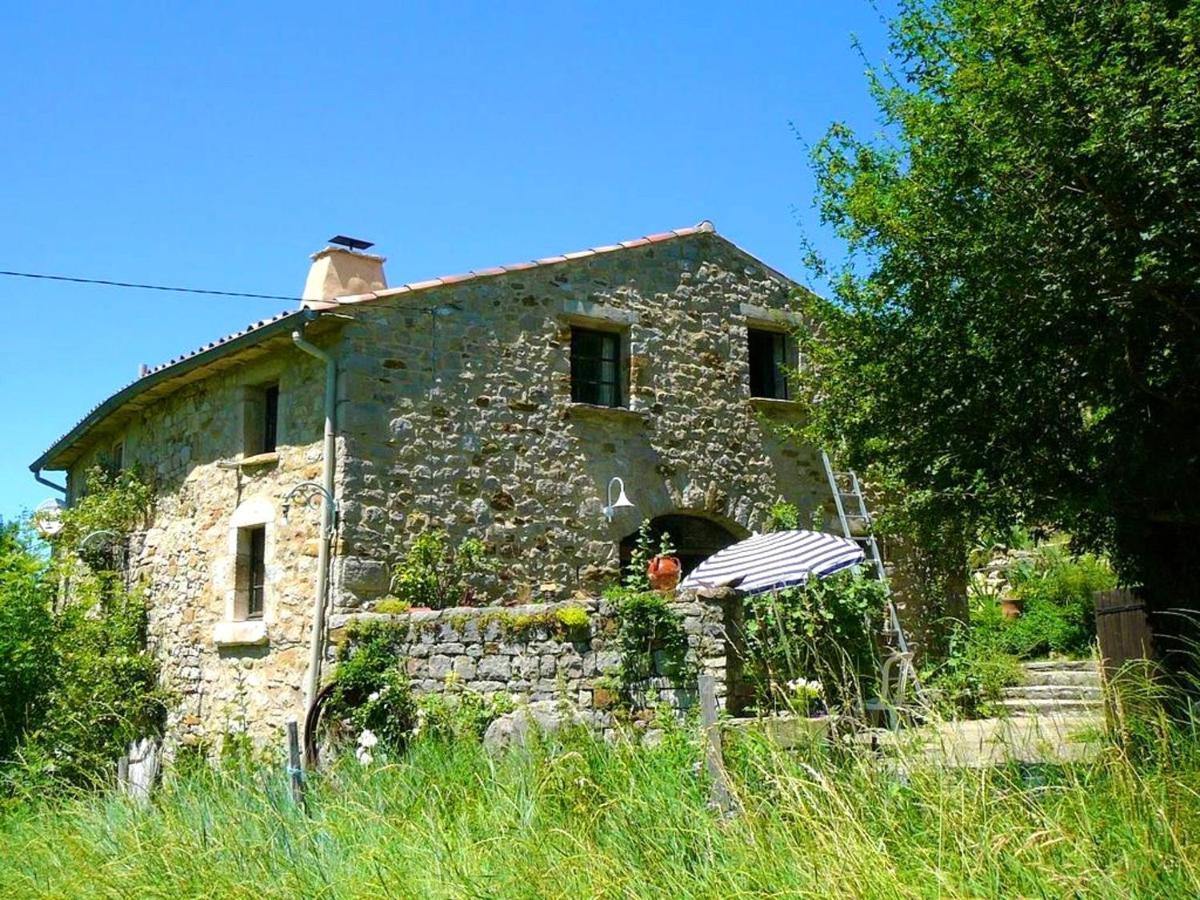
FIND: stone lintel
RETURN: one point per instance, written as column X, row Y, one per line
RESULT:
column 584, row 311
column 767, row 316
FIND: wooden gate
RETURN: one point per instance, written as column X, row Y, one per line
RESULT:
column 1122, row 628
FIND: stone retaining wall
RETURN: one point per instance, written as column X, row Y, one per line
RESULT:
column 526, row 652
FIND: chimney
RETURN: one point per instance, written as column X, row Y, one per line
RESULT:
column 343, row 269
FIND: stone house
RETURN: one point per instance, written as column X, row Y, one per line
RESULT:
column 498, row 404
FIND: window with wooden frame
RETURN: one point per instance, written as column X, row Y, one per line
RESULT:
column 598, row 367
column 260, row 419
column 768, row 363
column 251, row 572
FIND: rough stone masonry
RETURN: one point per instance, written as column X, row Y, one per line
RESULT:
column 454, row 411
column 522, row 652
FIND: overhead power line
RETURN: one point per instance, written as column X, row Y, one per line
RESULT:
column 104, row 282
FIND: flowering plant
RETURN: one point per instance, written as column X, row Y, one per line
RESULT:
column 807, row 695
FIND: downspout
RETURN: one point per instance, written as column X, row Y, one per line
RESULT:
column 41, row 479
column 320, row 600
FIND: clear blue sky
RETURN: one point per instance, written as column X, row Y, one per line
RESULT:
column 216, row 145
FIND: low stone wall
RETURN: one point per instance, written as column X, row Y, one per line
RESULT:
column 529, row 653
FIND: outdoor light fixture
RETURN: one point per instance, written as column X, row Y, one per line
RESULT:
column 308, row 493
column 622, row 501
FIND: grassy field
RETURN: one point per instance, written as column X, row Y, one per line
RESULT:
column 582, row 819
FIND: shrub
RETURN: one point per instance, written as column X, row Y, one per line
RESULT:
column 783, row 517
column 77, row 684
column 104, row 693
column 392, row 606
column 118, row 502
column 458, row 715
column 650, row 638
column 971, row 679
column 436, row 575
column 370, row 693
column 27, row 628
column 573, row 618
column 1058, row 614
column 822, row 631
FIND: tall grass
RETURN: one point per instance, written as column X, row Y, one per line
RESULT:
column 581, row 818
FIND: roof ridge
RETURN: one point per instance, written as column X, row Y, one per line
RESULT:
column 312, row 307
column 705, row 226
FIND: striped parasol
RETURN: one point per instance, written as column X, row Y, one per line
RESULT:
column 772, row 561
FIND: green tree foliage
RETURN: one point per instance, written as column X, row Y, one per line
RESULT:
column 1016, row 333
column 111, row 503
column 77, row 682
column 26, row 637
column 103, row 692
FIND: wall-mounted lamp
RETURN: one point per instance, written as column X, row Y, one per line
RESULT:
column 622, row 501
column 309, row 493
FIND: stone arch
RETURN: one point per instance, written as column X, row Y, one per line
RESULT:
column 696, row 535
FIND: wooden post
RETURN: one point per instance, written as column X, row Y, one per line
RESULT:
column 720, row 795
column 295, row 774
column 142, row 769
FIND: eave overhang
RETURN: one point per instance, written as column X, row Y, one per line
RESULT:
column 257, row 340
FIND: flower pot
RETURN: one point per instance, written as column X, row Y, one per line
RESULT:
column 663, row 572
column 1011, row 607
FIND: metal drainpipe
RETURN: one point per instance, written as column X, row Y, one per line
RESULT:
column 316, row 651
column 41, row 479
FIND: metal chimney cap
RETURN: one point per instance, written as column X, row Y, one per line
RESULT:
column 350, row 243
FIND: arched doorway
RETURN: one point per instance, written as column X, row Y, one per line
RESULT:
column 694, row 537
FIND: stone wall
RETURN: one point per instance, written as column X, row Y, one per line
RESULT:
column 527, row 653
column 190, row 445
column 458, row 414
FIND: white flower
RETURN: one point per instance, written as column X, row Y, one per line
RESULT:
column 367, row 739
column 804, row 686
column 364, row 756
column 373, row 696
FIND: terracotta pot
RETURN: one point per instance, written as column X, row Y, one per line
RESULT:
column 663, row 572
column 1011, row 607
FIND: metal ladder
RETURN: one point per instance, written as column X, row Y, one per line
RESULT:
column 857, row 526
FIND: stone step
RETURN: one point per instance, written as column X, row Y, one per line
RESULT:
column 1028, row 707
column 1054, row 692
column 1060, row 665
column 1068, row 676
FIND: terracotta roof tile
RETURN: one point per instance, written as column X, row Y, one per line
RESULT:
column 320, row 305
column 703, row 227
column 253, row 326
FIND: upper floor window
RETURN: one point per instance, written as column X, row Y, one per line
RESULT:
column 260, row 419
column 270, row 430
column 768, row 363
column 117, row 457
column 597, row 367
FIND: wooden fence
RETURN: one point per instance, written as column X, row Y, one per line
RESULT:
column 1122, row 628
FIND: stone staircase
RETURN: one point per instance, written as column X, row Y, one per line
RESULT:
column 1055, row 687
